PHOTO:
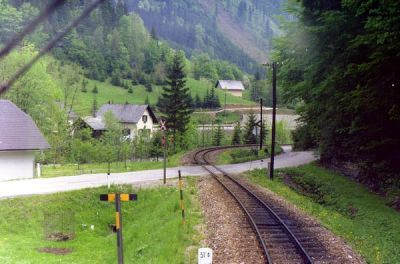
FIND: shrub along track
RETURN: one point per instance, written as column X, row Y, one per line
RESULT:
column 281, row 238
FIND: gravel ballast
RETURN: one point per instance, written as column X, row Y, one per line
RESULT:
column 233, row 241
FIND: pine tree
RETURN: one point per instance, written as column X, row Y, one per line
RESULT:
column 249, row 137
column 153, row 33
column 95, row 90
column 148, row 86
column 214, row 100
column 206, row 101
column 94, row 106
column 236, row 138
column 218, row 136
column 264, row 132
column 130, row 90
column 175, row 101
column 197, row 101
column 84, row 84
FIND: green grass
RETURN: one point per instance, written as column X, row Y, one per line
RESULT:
column 205, row 117
column 152, row 227
column 229, row 117
column 347, row 208
column 84, row 101
column 233, row 156
column 115, row 167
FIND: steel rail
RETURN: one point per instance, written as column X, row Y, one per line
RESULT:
column 306, row 258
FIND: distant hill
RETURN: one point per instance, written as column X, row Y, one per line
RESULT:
column 239, row 31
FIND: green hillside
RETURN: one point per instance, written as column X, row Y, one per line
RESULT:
column 117, row 94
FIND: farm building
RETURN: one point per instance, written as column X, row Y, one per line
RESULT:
column 20, row 139
column 135, row 119
column 235, row 88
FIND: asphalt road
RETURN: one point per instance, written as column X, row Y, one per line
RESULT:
column 61, row 184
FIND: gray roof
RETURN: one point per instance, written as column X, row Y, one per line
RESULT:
column 96, row 123
column 230, row 85
column 17, row 129
column 126, row 113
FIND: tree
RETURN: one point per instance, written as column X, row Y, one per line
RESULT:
column 130, row 90
column 84, row 85
column 175, row 101
column 218, row 136
column 249, row 137
column 153, row 33
column 147, row 100
column 236, row 138
column 148, row 86
column 94, row 106
column 156, row 149
column 197, row 101
column 346, row 78
column 265, row 132
column 112, row 139
column 95, row 90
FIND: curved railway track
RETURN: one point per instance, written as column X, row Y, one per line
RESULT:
column 277, row 240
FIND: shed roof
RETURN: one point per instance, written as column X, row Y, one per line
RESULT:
column 126, row 113
column 96, row 123
column 230, row 85
column 17, row 130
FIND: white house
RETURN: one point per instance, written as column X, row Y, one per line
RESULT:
column 135, row 119
column 20, row 139
column 235, row 88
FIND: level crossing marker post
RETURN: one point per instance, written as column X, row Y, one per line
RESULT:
column 164, row 142
column 181, row 197
column 117, row 197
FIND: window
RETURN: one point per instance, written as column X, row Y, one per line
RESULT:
column 144, row 118
column 126, row 132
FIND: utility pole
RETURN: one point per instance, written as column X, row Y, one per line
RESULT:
column 225, row 107
column 261, row 125
column 271, row 169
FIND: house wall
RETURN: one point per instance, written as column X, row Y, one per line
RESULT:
column 148, row 124
column 140, row 125
column 16, row 164
column 235, row 93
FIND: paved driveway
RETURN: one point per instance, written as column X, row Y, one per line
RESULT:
column 68, row 183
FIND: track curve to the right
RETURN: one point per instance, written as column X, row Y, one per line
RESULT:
column 278, row 242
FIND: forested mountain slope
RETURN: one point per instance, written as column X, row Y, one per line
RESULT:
column 239, row 31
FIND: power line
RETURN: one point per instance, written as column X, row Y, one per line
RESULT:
column 30, row 27
column 5, row 87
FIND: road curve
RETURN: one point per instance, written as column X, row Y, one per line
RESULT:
column 26, row 187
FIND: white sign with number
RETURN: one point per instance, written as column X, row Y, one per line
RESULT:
column 205, row 256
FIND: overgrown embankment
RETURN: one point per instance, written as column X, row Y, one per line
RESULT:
column 152, row 227
column 350, row 210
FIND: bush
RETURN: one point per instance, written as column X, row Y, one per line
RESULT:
column 302, row 138
column 130, row 90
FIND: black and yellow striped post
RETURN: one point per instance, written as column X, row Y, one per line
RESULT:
column 182, row 204
column 118, row 217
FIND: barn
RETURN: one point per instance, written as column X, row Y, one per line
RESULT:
column 235, row 88
column 20, row 139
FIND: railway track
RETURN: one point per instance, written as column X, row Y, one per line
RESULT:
column 278, row 242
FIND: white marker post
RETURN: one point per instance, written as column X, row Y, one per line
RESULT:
column 204, row 256
column 38, row 170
